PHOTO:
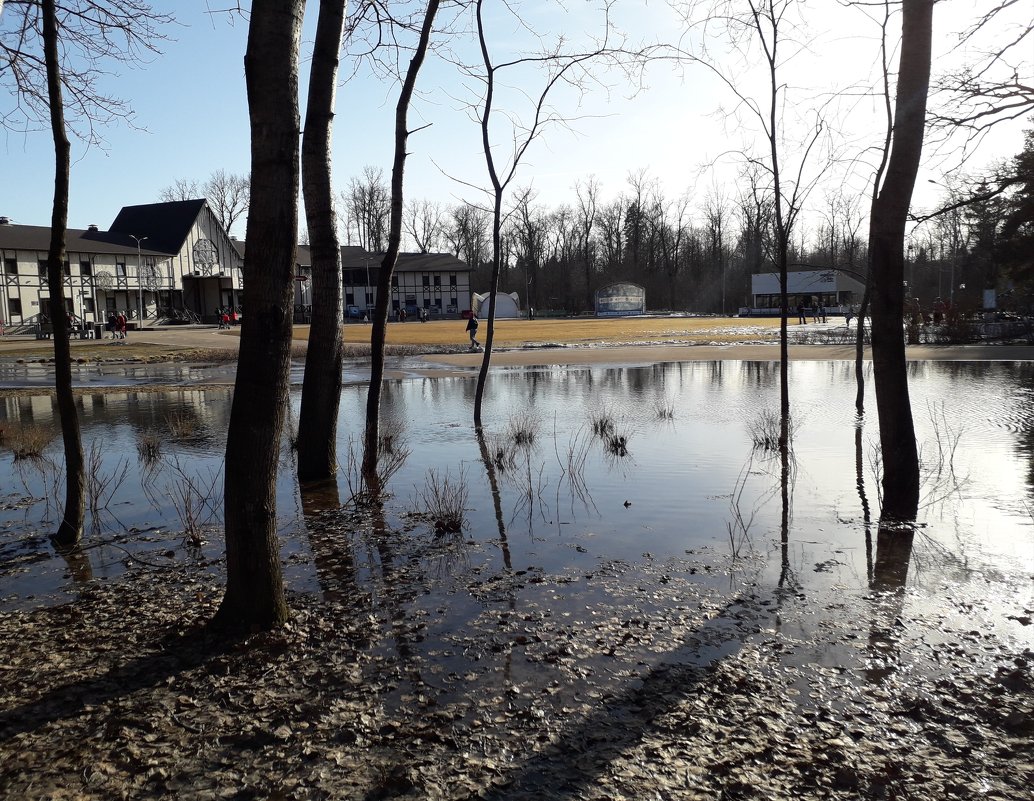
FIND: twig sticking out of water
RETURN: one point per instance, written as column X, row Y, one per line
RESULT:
column 444, row 500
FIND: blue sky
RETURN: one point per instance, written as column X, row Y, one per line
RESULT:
column 191, row 119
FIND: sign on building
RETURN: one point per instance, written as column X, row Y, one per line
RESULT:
column 620, row 299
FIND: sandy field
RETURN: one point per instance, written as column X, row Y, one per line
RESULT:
column 443, row 343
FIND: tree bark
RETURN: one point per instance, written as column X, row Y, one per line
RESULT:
column 321, row 385
column 379, row 331
column 71, row 528
column 486, row 358
column 886, row 248
column 254, row 585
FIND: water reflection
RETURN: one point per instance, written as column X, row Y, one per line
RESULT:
column 569, row 502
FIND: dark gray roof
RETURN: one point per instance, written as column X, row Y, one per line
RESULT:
column 430, row 262
column 77, row 240
column 166, row 225
column 354, row 257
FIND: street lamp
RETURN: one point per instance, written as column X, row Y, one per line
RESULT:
column 368, row 293
column 911, row 268
column 139, row 278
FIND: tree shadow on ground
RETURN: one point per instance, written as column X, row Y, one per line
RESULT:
column 169, row 656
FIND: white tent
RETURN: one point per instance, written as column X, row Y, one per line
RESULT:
column 507, row 306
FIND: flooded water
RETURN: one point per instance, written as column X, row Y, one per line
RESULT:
column 676, row 480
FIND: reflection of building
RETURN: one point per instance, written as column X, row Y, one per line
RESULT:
column 831, row 289
column 437, row 282
column 620, row 299
column 173, row 258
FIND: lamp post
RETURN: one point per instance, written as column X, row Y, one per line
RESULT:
column 139, row 278
column 367, row 293
column 911, row 269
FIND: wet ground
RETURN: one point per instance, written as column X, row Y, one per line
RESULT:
column 633, row 622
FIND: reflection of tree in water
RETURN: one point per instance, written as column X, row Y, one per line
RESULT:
column 889, row 576
column 330, row 542
column 859, row 470
column 79, row 568
column 504, row 547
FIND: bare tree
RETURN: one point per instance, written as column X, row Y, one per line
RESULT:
column 887, row 222
column 227, row 194
column 54, row 54
column 588, row 194
column 424, row 222
column 717, row 214
column 71, row 528
column 321, row 384
column 769, row 25
column 92, row 34
column 181, row 189
column 995, row 84
column 468, row 237
column 560, row 66
column 367, row 207
column 379, row 330
column 254, row 584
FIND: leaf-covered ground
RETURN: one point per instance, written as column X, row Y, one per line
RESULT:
column 426, row 669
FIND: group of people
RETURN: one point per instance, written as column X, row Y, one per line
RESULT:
column 227, row 317
column 941, row 311
column 116, row 325
column 423, row 315
column 818, row 312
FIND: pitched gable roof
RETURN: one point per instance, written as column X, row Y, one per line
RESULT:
column 37, row 237
column 166, row 225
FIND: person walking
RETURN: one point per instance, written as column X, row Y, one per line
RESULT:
column 111, row 325
column 802, row 316
column 120, row 323
column 472, row 329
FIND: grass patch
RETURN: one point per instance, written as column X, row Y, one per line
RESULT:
column 29, row 441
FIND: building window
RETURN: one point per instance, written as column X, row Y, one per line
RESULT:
column 395, row 281
column 11, row 266
column 452, row 279
column 85, row 268
column 88, row 305
column 427, row 280
column 14, row 307
column 369, row 299
column 43, row 268
column 66, row 267
column 349, row 299
column 437, row 280
column 120, row 269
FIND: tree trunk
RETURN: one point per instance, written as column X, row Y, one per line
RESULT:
column 859, row 347
column 493, row 287
column 321, row 386
column 886, row 248
column 379, row 331
column 71, row 528
column 254, row 585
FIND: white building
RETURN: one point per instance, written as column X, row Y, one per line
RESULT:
column 175, row 262
column 164, row 260
column 834, row 290
column 436, row 282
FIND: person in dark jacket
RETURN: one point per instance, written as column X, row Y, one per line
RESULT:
column 472, row 329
